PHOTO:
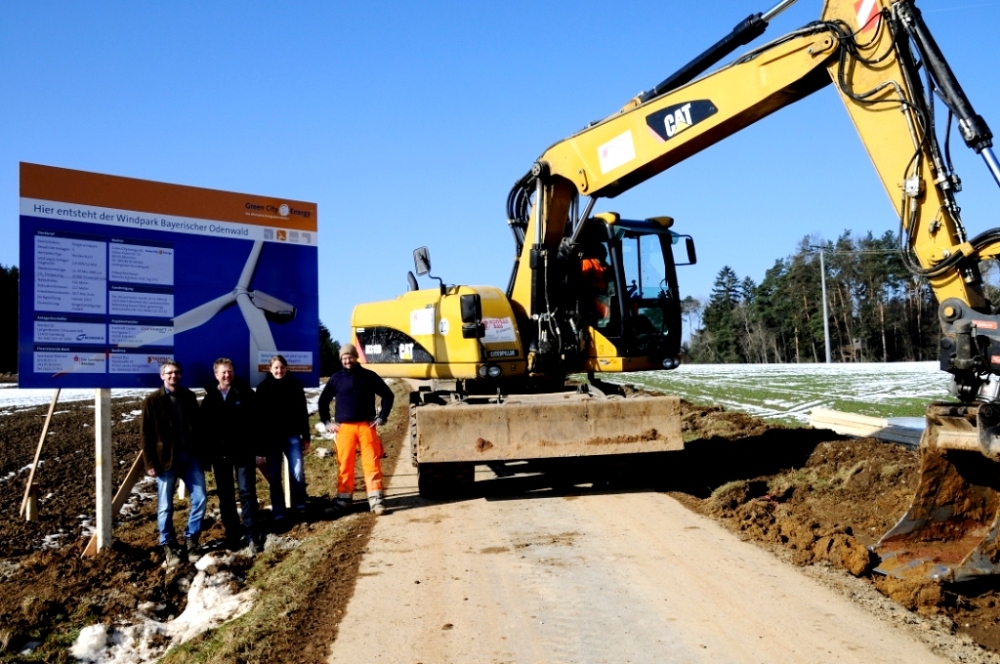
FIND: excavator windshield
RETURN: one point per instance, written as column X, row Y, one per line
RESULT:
column 643, row 303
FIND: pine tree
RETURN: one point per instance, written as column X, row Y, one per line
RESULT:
column 720, row 321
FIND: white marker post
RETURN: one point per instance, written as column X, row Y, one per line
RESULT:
column 104, row 465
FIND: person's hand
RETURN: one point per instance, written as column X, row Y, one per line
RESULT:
column 376, row 423
column 305, row 446
column 333, row 427
column 151, row 472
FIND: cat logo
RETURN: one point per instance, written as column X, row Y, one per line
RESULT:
column 678, row 121
column 668, row 122
column 406, row 352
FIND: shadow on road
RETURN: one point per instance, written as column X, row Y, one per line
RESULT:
column 703, row 466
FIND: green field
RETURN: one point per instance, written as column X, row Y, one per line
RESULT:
column 787, row 392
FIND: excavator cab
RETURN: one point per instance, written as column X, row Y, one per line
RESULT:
column 638, row 308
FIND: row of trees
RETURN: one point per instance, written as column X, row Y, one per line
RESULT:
column 329, row 348
column 877, row 310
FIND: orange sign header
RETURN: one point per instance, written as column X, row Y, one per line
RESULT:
column 111, row 191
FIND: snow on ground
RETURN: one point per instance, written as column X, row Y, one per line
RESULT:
column 790, row 391
column 210, row 603
column 12, row 396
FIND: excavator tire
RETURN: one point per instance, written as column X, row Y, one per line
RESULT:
column 442, row 481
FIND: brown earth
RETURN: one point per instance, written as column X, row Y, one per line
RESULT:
column 50, row 593
column 811, row 496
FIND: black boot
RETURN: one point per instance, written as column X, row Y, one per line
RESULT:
column 170, row 557
column 193, row 550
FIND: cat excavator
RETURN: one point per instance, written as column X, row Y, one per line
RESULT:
column 592, row 293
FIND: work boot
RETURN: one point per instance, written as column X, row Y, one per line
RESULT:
column 340, row 507
column 170, row 557
column 193, row 551
column 376, row 504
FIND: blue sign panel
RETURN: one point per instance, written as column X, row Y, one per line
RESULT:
column 119, row 274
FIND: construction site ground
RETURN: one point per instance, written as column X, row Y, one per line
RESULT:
column 751, row 545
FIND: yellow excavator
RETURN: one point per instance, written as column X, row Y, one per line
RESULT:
column 592, row 292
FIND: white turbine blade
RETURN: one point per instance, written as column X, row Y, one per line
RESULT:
column 261, row 339
column 203, row 313
column 248, row 268
column 260, row 331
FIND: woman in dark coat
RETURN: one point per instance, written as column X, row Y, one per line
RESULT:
column 282, row 402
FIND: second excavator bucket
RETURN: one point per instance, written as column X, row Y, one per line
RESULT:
column 949, row 533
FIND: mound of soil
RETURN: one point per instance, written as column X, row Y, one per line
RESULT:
column 831, row 499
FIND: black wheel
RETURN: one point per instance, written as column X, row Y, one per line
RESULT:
column 440, row 481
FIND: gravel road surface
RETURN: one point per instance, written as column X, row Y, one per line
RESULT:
column 627, row 577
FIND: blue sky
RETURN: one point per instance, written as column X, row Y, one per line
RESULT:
column 408, row 122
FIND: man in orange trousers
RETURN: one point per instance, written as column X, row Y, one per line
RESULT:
column 353, row 390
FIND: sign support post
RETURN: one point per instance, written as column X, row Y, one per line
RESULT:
column 104, row 465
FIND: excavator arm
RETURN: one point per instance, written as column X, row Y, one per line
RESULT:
column 875, row 53
column 888, row 71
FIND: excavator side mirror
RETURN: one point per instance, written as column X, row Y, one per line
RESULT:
column 411, row 282
column 422, row 260
column 692, row 256
column 472, row 316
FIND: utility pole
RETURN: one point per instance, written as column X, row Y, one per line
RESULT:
column 826, row 315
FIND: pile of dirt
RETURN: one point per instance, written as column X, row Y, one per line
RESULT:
column 830, row 500
column 831, row 509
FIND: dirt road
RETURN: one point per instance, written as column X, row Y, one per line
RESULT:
column 617, row 577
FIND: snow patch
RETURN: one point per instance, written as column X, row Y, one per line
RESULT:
column 210, row 603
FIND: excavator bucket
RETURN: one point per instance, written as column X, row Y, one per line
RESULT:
column 949, row 532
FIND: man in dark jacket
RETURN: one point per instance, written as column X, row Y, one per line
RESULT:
column 169, row 442
column 354, row 389
column 229, row 420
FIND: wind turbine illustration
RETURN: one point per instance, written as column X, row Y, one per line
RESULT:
column 255, row 306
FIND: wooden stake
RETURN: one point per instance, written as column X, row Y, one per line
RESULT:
column 31, row 510
column 38, row 453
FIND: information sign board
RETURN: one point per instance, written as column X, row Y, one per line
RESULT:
column 118, row 274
